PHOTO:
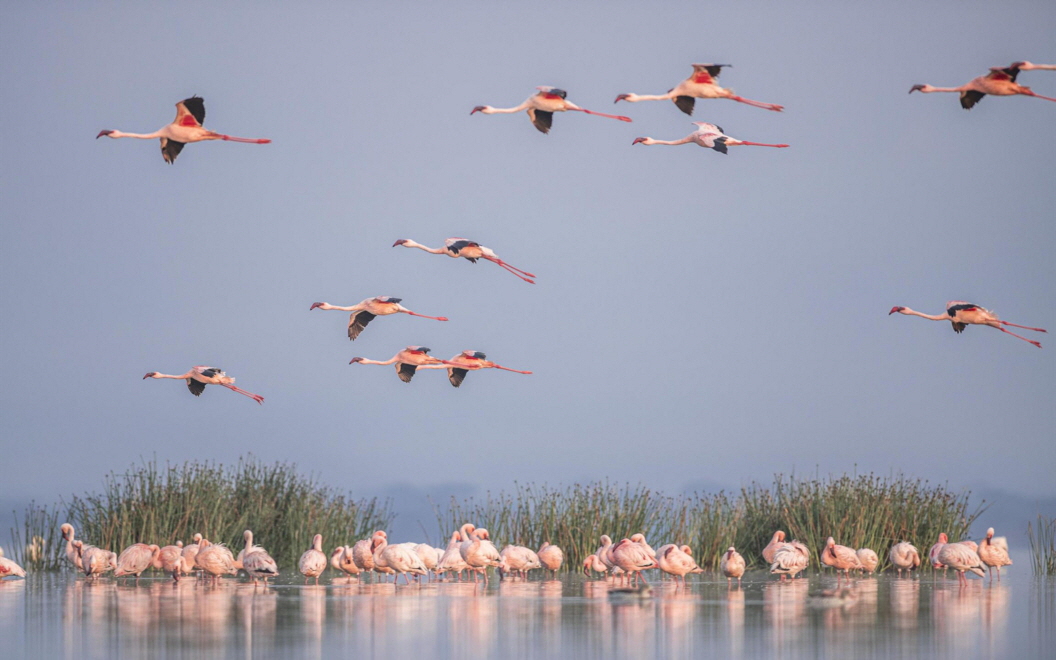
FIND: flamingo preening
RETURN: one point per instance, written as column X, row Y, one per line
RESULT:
column 961, row 314
column 707, row 135
column 541, row 107
column 467, row 249
column 700, row 85
column 364, row 312
column 961, row 557
column 1001, row 81
column 466, row 361
column 187, row 127
column 313, row 561
column 407, row 361
column 200, row 376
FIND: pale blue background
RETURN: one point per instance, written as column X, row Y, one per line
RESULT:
column 698, row 318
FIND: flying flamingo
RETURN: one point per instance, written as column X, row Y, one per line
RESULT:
column 313, row 561
column 541, row 107
column 1001, row 81
column 700, row 85
column 187, row 127
column 364, row 312
column 200, row 376
column 467, row 249
column 466, row 361
column 407, row 361
column 709, row 136
column 961, row 314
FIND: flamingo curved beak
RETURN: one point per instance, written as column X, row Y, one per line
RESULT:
column 916, row 88
column 102, row 133
column 355, row 360
column 402, row 240
column 621, row 97
column 150, row 375
column 895, row 309
column 314, row 305
column 637, row 140
column 479, row 108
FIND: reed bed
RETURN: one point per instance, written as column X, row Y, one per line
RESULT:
column 152, row 504
column 1043, row 545
column 858, row 510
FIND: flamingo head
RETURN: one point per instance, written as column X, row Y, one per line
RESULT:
column 896, row 309
column 622, row 97
column 729, row 552
column 355, row 360
column 943, row 538
column 479, row 108
column 67, row 531
column 989, row 533
column 152, row 374
column 640, row 140
column 918, row 88
column 102, row 133
column 314, row 305
column 400, row 242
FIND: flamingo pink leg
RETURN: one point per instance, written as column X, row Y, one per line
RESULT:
column 601, row 114
column 435, row 318
column 758, row 104
column 762, row 144
column 232, row 138
column 1039, row 96
column 513, row 370
column 1025, row 327
column 1038, row 344
column 255, row 397
column 515, row 271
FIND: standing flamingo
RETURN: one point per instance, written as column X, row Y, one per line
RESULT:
column 904, row 555
column 256, row 561
column 933, row 553
column 478, row 551
column 541, row 107
column 789, row 559
column 200, row 376
column 364, row 312
column 776, row 542
column 633, row 557
column 961, row 557
column 840, row 557
column 551, row 557
column 467, row 249
column 994, row 553
column 187, row 127
column 466, row 361
column 701, row 84
column 961, row 314
column 216, row 560
column 72, row 555
column 732, row 566
column 135, row 559
column 1001, row 81
column 868, row 559
column 407, row 361
column 707, row 135
column 313, row 562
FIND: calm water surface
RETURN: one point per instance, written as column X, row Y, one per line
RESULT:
column 60, row 616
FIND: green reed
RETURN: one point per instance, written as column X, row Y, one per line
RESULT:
column 859, row 511
column 153, row 504
column 1043, row 545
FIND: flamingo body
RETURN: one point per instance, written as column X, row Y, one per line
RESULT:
column 407, row 361
column 200, row 376
column 369, row 309
column 962, row 314
column 313, row 562
column 993, row 551
column 541, row 107
column 732, row 565
column 135, row 559
column 469, row 250
column 961, row 557
column 1001, row 81
column 9, row 568
column 904, row 556
column 709, row 136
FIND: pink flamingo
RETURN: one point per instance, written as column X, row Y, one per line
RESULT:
column 961, row 557
column 776, row 542
column 732, row 566
column 187, row 127
column 72, row 555
column 701, row 84
column 961, row 314
column 466, row 361
column 9, row 568
column 677, row 561
column 407, row 361
column 135, row 559
column 216, row 560
column 993, row 551
column 365, row 312
column 551, row 557
column 868, row 559
column 341, row 560
column 1001, row 81
column 478, row 551
column 200, row 376
column 313, row 562
column 933, row 553
column 790, row 559
column 541, row 107
column 709, row 136
column 633, row 558
column 470, row 250
column 451, row 560
column 904, row 556
column 840, row 557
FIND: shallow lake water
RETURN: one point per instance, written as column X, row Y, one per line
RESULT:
column 62, row 616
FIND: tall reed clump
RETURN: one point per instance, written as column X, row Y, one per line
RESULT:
column 862, row 511
column 150, row 504
column 1043, row 545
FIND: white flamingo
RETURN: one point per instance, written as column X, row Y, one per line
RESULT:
column 469, row 250
column 701, row 84
column 200, row 376
column 541, row 107
column 366, row 311
column 709, row 136
column 962, row 314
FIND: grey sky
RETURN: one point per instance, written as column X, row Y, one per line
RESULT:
column 697, row 317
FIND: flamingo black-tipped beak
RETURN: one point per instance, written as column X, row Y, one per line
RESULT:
column 149, row 375
column 895, row 309
column 621, row 97
column 355, row 360
column 399, row 242
column 479, row 108
column 102, row 133
column 916, row 88
column 637, row 140
column 314, row 305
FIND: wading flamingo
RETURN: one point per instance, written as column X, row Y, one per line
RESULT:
column 700, row 85
column 466, row 361
column 467, row 249
column 200, row 376
column 933, row 553
column 451, row 561
column 709, row 136
column 961, row 314
column 478, row 551
column 9, row 568
column 341, row 560
column 216, row 560
column 790, row 559
column 95, row 561
column 551, row 557
column 171, row 560
column 1001, row 81
column 135, row 559
column 904, row 556
column 868, row 559
column 363, row 555
column 541, row 107
column 839, row 557
column 677, row 561
column 732, row 566
column 313, row 562
column 190, row 551
column 518, row 560
column 364, row 312
column 776, row 542
column 72, row 555
column 187, row 127
column 993, row 551
column 633, row 558
column 407, row 361
column 961, row 557
column 256, row 561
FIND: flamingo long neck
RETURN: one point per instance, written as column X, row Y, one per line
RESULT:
column 141, row 136
column 180, row 377
column 389, row 361
column 931, row 317
column 350, row 308
column 488, row 110
column 688, row 138
column 928, row 89
column 439, row 250
column 634, row 98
